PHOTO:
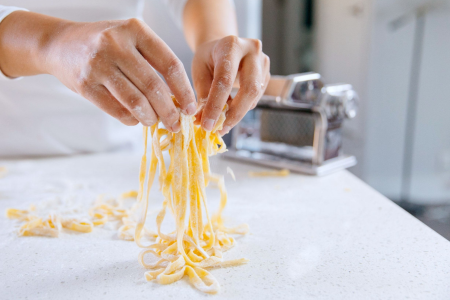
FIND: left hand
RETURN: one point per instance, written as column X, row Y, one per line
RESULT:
column 215, row 67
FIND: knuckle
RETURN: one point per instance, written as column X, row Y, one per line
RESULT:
column 171, row 115
column 116, row 81
column 157, row 93
column 257, row 44
column 185, row 93
column 106, row 37
column 133, row 23
column 134, row 101
column 110, row 37
column 95, row 58
column 105, row 42
column 231, row 39
column 229, row 45
column 266, row 60
column 84, row 81
column 216, row 108
column 175, row 67
column 224, row 81
column 151, row 83
column 92, row 59
column 252, row 89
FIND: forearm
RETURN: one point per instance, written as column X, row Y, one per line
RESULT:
column 25, row 38
column 206, row 20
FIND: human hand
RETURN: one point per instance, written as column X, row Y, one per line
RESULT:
column 215, row 67
column 111, row 64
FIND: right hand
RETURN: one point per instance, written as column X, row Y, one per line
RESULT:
column 111, row 64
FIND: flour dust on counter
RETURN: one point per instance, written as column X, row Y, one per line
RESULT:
column 199, row 239
column 341, row 244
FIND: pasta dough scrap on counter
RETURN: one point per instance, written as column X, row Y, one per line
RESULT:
column 196, row 244
column 280, row 173
column 3, row 171
column 104, row 210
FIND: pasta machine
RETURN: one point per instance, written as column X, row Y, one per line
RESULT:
column 297, row 125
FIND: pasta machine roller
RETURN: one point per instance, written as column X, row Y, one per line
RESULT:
column 297, row 125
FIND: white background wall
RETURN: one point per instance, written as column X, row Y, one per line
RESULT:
column 431, row 156
column 341, row 49
column 356, row 43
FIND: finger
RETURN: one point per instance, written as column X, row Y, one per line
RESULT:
column 102, row 98
column 130, row 97
column 251, row 87
column 162, row 58
column 266, row 71
column 142, row 75
column 225, row 70
column 266, row 64
column 202, row 78
column 266, row 81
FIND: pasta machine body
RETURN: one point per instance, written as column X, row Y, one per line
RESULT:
column 296, row 125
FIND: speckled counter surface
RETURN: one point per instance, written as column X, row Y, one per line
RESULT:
column 311, row 238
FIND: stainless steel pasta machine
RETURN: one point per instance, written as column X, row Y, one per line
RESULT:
column 296, row 125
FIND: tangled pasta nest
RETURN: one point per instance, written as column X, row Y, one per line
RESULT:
column 195, row 245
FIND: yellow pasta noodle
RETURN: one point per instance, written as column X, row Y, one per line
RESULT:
column 280, row 173
column 230, row 171
column 195, row 245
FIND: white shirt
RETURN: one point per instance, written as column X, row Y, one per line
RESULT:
column 39, row 116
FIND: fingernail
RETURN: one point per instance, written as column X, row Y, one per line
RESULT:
column 225, row 130
column 208, row 124
column 176, row 126
column 191, row 109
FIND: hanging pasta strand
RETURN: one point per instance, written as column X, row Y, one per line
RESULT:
column 194, row 245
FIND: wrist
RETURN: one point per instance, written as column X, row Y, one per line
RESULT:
column 25, row 41
column 48, row 40
column 5, row 52
column 206, row 20
column 49, row 46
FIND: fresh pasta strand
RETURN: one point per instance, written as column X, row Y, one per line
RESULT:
column 230, row 171
column 280, row 173
column 195, row 245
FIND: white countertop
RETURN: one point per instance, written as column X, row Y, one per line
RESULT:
column 311, row 238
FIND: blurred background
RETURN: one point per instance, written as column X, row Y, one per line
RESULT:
column 396, row 54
